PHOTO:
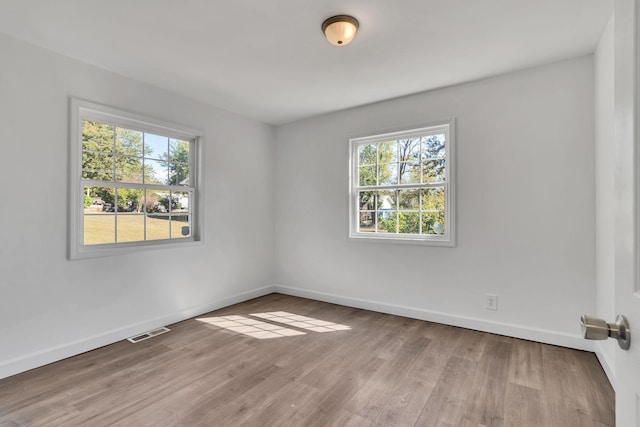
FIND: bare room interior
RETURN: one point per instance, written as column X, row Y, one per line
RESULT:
column 327, row 213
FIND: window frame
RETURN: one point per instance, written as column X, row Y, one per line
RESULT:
column 448, row 238
column 81, row 110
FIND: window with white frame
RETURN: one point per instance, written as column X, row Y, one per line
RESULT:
column 134, row 181
column 402, row 186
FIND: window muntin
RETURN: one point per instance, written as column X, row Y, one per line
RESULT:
column 401, row 185
column 133, row 182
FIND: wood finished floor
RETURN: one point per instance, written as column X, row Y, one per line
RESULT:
column 385, row 370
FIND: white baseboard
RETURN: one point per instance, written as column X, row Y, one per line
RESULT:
column 507, row 329
column 50, row 355
column 44, row 357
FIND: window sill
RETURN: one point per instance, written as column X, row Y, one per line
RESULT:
column 404, row 240
column 115, row 249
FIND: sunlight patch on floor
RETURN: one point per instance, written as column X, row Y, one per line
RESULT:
column 301, row 322
column 275, row 324
column 250, row 327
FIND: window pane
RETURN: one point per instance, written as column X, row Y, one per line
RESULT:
column 433, row 147
column 99, row 223
column 97, row 137
column 157, row 226
column 156, row 146
column 409, row 150
column 179, row 151
column 180, row 208
column 387, row 152
column 433, row 223
column 409, row 222
column 130, row 199
column 367, row 154
column 152, row 202
column 180, row 202
column 92, row 203
column 97, row 166
column 433, row 170
column 163, row 202
column 180, row 226
column 99, row 228
column 409, row 199
column 387, row 200
column 387, row 222
column 367, row 175
column 156, row 172
column 103, row 197
column 179, row 174
column 130, row 227
column 409, row 173
column 129, row 169
column 387, row 218
column 433, row 199
column 388, row 174
column 366, row 200
column 367, row 222
column 128, row 142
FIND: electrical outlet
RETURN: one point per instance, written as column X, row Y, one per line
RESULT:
column 492, row 302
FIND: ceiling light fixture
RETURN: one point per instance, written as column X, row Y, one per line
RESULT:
column 340, row 29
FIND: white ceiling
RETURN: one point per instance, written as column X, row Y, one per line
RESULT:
column 267, row 59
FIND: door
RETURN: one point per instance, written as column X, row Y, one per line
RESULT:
column 627, row 175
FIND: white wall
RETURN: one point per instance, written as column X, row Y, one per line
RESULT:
column 605, row 189
column 51, row 307
column 526, row 216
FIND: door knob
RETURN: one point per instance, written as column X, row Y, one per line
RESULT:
column 597, row 329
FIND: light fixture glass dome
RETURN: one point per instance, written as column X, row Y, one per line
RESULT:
column 340, row 30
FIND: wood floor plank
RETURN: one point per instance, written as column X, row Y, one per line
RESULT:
column 446, row 403
column 485, row 402
column 599, row 395
column 525, row 365
column 379, row 370
column 345, row 418
column 523, row 406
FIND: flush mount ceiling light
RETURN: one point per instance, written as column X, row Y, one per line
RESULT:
column 340, row 29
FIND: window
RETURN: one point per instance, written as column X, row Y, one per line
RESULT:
column 134, row 182
column 402, row 186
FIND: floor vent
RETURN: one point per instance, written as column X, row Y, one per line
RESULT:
column 147, row 335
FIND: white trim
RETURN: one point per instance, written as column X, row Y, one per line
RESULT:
column 43, row 357
column 133, row 121
column 80, row 110
column 404, row 239
column 432, row 128
column 62, row 351
column 125, row 248
column 508, row 329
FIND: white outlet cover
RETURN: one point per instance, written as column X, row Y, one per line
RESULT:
column 491, row 302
